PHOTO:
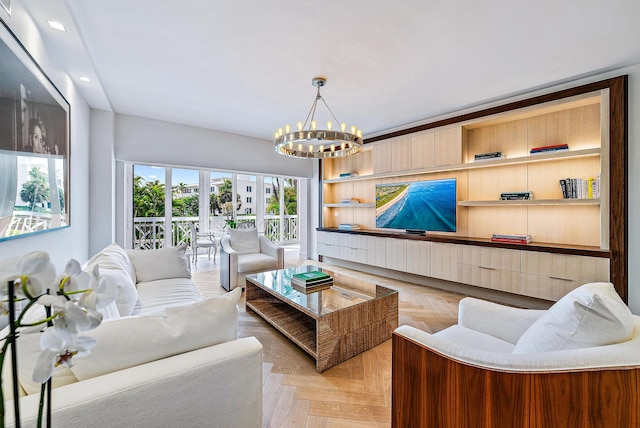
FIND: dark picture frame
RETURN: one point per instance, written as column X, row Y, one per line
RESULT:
column 34, row 145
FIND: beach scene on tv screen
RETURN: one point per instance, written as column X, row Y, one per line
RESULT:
column 422, row 205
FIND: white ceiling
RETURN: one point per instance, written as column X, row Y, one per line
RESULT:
column 246, row 66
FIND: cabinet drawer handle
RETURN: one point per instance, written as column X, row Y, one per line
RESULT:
column 487, row 268
column 561, row 279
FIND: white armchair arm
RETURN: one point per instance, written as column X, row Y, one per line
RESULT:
column 504, row 322
column 228, row 265
column 609, row 356
column 269, row 248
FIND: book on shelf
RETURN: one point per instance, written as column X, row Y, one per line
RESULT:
column 580, row 188
column 349, row 201
column 547, row 149
column 516, row 196
column 348, row 174
column 488, row 156
column 348, row 226
column 511, row 238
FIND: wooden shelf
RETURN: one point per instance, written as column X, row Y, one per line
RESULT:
column 546, row 247
column 529, row 202
column 362, row 205
column 545, row 157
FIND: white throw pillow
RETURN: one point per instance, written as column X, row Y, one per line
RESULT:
column 113, row 257
column 131, row 341
column 151, row 265
column 244, row 241
column 591, row 315
column 126, row 294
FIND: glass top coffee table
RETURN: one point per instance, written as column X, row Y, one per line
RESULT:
column 333, row 324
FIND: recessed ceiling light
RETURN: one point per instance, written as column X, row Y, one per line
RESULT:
column 56, row 25
column 85, row 79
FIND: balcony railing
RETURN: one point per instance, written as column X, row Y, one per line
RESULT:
column 31, row 221
column 149, row 232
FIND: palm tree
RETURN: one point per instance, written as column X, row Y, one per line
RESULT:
column 36, row 190
column 148, row 198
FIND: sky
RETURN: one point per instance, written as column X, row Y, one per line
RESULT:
column 178, row 175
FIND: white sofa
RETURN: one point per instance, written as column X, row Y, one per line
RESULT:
column 244, row 252
column 165, row 356
column 576, row 364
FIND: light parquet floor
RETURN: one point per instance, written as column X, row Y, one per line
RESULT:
column 356, row 393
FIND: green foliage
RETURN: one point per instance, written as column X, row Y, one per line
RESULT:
column 290, row 197
column 36, row 190
column 220, row 203
column 186, row 207
column 148, row 198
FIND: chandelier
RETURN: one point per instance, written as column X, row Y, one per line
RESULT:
column 318, row 143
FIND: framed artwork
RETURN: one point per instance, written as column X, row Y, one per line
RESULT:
column 34, row 145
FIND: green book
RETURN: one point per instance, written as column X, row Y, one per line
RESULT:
column 310, row 276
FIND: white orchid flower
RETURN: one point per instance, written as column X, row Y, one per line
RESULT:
column 34, row 272
column 59, row 351
column 73, row 279
column 100, row 293
column 68, row 319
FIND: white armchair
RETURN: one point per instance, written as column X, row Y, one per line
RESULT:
column 576, row 364
column 244, row 252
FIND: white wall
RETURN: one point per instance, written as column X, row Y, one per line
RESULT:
column 71, row 242
column 103, row 181
column 157, row 142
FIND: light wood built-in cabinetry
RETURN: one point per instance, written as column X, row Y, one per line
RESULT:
column 574, row 240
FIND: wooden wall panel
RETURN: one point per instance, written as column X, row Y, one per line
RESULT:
column 423, row 150
column 570, row 225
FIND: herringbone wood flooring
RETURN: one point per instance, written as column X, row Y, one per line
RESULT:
column 356, row 393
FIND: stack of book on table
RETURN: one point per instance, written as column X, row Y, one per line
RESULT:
column 547, row 149
column 488, row 156
column 509, row 238
column 312, row 281
column 516, row 196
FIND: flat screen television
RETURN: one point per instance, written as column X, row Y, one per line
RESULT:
column 418, row 206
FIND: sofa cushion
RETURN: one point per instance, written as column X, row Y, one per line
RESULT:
column 163, row 263
column 257, row 262
column 163, row 293
column 474, row 339
column 591, row 315
column 244, row 241
column 131, row 341
column 28, row 353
